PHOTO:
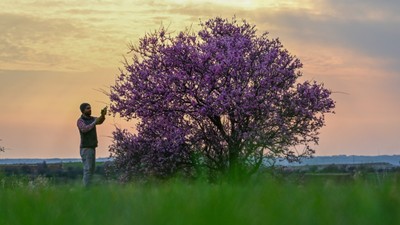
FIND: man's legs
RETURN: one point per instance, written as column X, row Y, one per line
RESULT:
column 89, row 162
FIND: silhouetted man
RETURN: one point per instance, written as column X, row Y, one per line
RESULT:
column 87, row 129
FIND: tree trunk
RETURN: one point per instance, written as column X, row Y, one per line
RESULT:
column 235, row 167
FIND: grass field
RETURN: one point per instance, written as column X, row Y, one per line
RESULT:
column 261, row 201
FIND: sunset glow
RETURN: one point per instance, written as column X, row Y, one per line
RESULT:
column 56, row 54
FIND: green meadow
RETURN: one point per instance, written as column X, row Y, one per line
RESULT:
column 263, row 200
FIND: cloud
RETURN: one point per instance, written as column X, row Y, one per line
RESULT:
column 20, row 28
column 35, row 41
column 71, row 34
column 369, row 28
column 366, row 28
column 362, row 9
column 375, row 38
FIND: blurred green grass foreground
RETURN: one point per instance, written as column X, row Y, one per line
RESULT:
column 265, row 199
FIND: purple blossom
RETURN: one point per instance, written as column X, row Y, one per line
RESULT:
column 221, row 100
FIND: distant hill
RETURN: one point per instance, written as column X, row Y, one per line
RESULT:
column 344, row 159
column 317, row 160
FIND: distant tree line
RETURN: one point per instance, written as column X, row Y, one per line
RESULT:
column 57, row 171
column 344, row 168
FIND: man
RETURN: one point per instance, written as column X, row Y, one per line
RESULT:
column 87, row 129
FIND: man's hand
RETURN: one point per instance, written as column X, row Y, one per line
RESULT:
column 102, row 117
column 104, row 111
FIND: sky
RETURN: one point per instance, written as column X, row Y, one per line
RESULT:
column 57, row 54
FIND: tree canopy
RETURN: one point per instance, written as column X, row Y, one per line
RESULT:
column 218, row 102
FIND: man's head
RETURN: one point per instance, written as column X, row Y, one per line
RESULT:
column 86, row 109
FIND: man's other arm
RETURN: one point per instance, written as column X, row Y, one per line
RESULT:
column 85, row 128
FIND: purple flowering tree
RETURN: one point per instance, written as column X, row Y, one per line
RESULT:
column 219, row 100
